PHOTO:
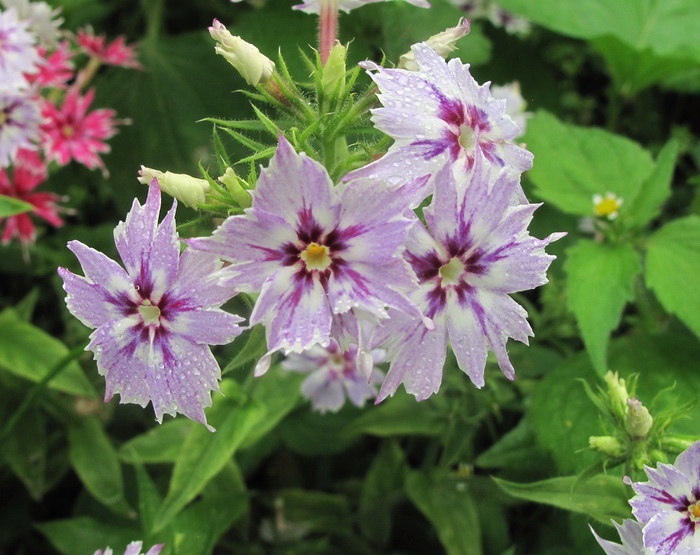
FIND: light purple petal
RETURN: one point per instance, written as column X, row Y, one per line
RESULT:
column 671, row 533
column 326, row 394
column 198, row 281
column 468, row 341
column 630, row 532
column 88, row 302
column 212, row 327
column 103, row 270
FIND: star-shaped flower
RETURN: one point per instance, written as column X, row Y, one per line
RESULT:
column 28, row 172
column 156, row 317
column 20, row 118
column 116, row 53
column 630, row 532
column 439, row 116
column 475, row 251
column 668, row 505
column 313, row 251
column 17, row 52
column 71, row 133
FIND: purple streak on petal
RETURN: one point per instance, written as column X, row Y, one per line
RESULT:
column 88, row 302
column 468, row 341
column 104, row 271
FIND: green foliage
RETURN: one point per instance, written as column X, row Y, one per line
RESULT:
column 10, row 206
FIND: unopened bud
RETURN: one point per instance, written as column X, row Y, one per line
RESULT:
column 617, row 392
column 606, row 444
column 254, row 67
column 238, row 193
column 333, row 76
column 443, row 43
column 189, row 190
column 638, row 421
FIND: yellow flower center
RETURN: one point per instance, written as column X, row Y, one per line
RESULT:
column 694, row 511
column 452, row 271
column 149, row 314
column 3, row 118
column 467, row 138
column 67, row 131
column 316, row 257
column 607, row 206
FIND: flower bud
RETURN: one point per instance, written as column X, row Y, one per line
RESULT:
column 238, row 193
column 189, row 190
column 638, row 421
column 443, row 43
column 334, row 70
column 253, row 66
column 606, row 444
column 617, row 393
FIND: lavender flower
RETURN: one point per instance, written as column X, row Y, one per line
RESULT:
column 314, row 6
column 668, row 505
column 20, row 117
column 630, row 532
column 475, row 251
column 40, row 17
column 439, row 116
column 156, row 319
column 334, row 375
column 134, row 548
column 17, row 52
column 314, row 252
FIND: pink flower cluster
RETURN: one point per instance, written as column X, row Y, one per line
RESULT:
column 45, row 104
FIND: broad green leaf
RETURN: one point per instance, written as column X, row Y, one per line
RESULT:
column 95, row 461
column 10, row 206
column 25, row 452
column 379, row 492
column 310, row 433
column 668, row 28
column 517, row 449
column 563, row 417
column 451, row 510
column 574, row 163
column 149, row 498
column 316, row 509
column 656, row 188
column 205, row 453
column 602, row 497
column 250, row 346
column 672, row 267
column 400, row 415
column 86, row 535
column 161, row 444
column 600, row 282
column 31, row 353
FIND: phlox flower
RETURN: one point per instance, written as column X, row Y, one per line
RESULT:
column 28, row 172
column 156, row 317
column 668, row 505
column 439, row 116
column 314, row 252
column 334, row 376
column 40, row 17
column 20, row 117
column 53, row 69
column 474, row 252
column 134, row 548
column 71, row 133
column 116, row 53
column 314, row 6
column 515, row 104
column 630, row 532
column 18, row 55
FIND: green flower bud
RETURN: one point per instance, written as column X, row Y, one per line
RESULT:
column 189, row 190
column 238, row 193
column 443, row 43
column 254, row 67
column 333, row 76
column 638, row 421
column 617, row 392
column 606, row 444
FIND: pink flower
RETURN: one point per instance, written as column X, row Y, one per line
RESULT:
column 55, row 69
column 71, row 133
column 117, row 53
column 29, row 172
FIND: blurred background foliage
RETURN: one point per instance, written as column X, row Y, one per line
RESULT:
column 614, row 85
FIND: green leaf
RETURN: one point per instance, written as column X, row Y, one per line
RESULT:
column 656, row 188
column 450, row 510
column 149, row 498
column 600, row 283
column 602, row 497
column 249, row 346
column 379, row 492
column 205, row 453
column 86, row 535
column 95, row 461
column 517, row 449
column 400, row 415
column 25, row 452
column 672, row 264
column 574, row 163
column 31, row 353
column 161, row 444
column 10, row 206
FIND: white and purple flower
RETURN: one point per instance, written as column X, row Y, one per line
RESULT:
column 475, row 251
column 315, row 6
column 156, row 317
column 668, row 505
column 18, row 54
column 439, row 116
column 630, row 532
column 315, row 252
column 20, row 119
column 334, row 375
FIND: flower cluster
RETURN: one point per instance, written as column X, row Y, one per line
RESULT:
column 666, row 508
column 45, row 111
column 344, row 271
